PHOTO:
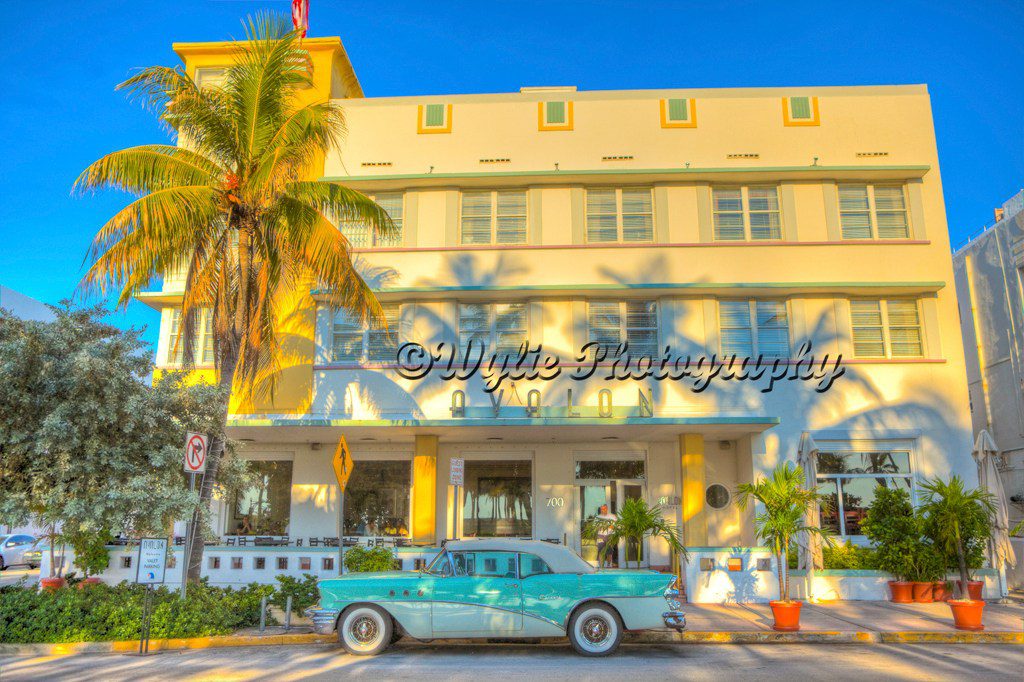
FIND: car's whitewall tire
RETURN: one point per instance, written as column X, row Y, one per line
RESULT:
column 365, row 630
column 595, row 630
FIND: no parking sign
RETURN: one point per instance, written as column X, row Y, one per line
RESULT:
column 196, row 445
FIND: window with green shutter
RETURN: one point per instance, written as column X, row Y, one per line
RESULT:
column 434, row 115
column 800, row 107
column 554, row 113
column 620, row 215
column 678, row 110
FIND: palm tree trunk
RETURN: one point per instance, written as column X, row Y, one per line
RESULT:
column 964, row 577
column 194, row 541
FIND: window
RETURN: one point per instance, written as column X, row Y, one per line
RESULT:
column 305, row 563
column 889, row 328
column 498, row 327
column 636, row 322
column 746, row 213
column 236, row 563
column 492, row 217
column 327, row 564
column 873, row 211
column 678, row 113
column 554, row 115
column 203, row 344
column 498, row 499
column 716, row 496
column 620, row 215
column 434, row 118
column 282, row 563
column 259, row 563
column 377, row 499
column 800, row 111
column 361, row 236
column 485, row 564
column 264, row 508
column 610, row 469
column 126, row 562
column 353, row 342
column 213, row 562
column 210, row 77
column 848, row 481
column 531, row 564
column 751, row 328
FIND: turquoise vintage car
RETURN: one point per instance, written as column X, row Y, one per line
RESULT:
column 498, row 588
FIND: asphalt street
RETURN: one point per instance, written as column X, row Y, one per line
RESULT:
column 547, row 663
column 13, row 575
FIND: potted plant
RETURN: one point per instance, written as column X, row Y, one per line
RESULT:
column 958, row 520
column 55, row 580
column 782, row 514
column 895, row 530
column 634, row 522
column 928, row 567
column 91, row 554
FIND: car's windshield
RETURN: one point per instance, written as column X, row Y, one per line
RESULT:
column 440, row 565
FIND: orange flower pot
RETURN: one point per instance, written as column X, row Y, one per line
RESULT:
column 967, row 613
column 91, row 580
column 52, row 584
column 940, row 592
column 975, row 589
column 922, row 592
column 787, row 615
column 902, row 591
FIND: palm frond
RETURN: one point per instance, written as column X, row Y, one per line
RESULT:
column 148, row 168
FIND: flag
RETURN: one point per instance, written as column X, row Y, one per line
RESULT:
column 300, row 16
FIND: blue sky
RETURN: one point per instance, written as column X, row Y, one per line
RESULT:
column 62, row 60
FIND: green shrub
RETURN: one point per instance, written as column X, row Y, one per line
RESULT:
column 104, row 613
column 850, row 557
column 90, row 551
column 303, row 591
column 894, row 529
column 369, row 559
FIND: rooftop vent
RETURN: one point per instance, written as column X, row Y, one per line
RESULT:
column 869, row 154
column 743, row 156
column 548, row 88
column 375, row 164
column 495, row 160
column 618, row 158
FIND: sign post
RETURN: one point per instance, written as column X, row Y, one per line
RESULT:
column 150, row 569
column 342, row 463
column 456, row 478
column 196, row 447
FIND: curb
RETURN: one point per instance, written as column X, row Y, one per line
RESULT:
column 655, row 637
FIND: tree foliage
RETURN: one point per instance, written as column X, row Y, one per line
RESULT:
column 958, row 520
column 634, row 522
column 85, row 441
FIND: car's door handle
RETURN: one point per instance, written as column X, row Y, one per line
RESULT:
column 512, row 585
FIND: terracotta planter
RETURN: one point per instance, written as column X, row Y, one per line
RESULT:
column 91, row 580
column 975, row 589
column 967, row 613
column 902, row 591
column 787, row 615
column 52, row 584
column 940, row 592
column 922, row 592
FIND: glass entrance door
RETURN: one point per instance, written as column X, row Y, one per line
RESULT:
column 600, row 499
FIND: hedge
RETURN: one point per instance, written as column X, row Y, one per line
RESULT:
column 106, row 613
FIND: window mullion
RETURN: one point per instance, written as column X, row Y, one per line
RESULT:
column 745, row 205
column 872, row 219
column 618, row 215
column 755, row 343
column 494, row 217
column 884, row 307
column 840, row 511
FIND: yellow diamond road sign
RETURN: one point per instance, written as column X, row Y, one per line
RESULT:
column 342, row 463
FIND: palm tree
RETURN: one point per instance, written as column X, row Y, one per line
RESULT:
column 955, row 518
column 785, row 501
column 229, row 206
column 634, row 522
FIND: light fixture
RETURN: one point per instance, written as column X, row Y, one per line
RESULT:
column 610, row 438
column 314, row 446
column 495, row 438
column 367, row 438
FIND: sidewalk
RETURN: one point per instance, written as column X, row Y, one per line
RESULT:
column 850, row 617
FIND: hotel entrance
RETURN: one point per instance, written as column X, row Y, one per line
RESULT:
column 602, row 487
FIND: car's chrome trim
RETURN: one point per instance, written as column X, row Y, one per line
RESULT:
column 324, row 620
column 478, row 605
column 674, row 620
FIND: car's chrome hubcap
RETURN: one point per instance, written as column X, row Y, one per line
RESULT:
column 595, row 630
column 364, row 630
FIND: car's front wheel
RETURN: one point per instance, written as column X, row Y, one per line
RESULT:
column 595, row 630
column 365, row 630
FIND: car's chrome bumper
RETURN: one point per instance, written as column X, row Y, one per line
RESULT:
column 324, row 620
column 674, row 620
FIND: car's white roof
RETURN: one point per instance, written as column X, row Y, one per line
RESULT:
column 559, row 558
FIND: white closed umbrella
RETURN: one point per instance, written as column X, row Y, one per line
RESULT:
column 999, row 548
column 811, row 557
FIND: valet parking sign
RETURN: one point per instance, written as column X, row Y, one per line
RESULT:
column 196, row 447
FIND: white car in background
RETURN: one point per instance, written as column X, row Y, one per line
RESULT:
column 13, row 550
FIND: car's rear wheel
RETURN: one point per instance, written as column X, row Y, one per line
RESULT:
column 365, row 630
column 595, row 630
